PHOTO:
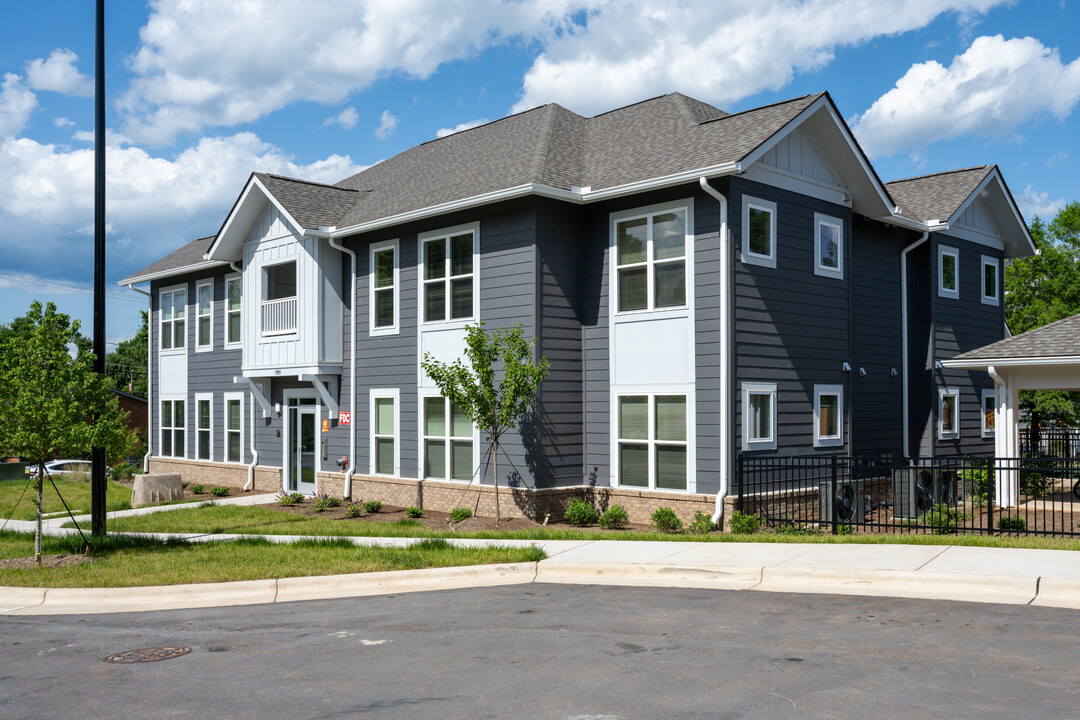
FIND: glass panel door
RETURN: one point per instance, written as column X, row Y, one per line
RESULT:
column 305, row 469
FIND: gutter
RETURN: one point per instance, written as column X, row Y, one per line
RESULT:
column 904, row 336
column 347, row 490
column 149, row 375
column 726, row 345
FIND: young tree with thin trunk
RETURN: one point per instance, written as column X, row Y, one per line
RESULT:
column 494, row 408
column 52, row 403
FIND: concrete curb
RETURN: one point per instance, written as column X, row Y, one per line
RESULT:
column 1058, row 592
column 640, row 575
column 400, row 581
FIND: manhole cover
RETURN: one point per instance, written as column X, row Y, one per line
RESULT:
column 145, row 655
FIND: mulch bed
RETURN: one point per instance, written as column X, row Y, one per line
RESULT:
column 47, row 561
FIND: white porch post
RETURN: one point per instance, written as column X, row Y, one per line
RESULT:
column 1006, row 438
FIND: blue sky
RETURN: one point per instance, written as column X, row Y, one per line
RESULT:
column 201, row 93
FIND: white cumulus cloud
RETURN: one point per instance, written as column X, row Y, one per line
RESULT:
column 1039, row 204
column 58, row 73
column 463, row 126
column 17, row 104
column 347, row 118
column 991, row 89
column 387, row 124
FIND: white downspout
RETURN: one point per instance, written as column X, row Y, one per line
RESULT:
column 904, row 335
column 347, row 492
column 251, row 443
column 725, row 350
column 149, row 376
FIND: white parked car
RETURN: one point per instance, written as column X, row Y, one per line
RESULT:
column 62, row 467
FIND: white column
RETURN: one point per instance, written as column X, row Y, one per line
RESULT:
column 1006, row 440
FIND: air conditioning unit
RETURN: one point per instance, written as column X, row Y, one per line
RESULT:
column 916, row 490
column 852, row 502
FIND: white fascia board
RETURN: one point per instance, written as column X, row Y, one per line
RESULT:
column 172, row 272
column 992, row 176
column 662, row 182
column 226, row 229
column 1011, row 362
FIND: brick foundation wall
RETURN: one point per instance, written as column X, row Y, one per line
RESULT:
column 201, row 472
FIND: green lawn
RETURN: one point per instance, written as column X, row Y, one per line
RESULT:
column 126, row 561
column 257, row 520
column 75, row 492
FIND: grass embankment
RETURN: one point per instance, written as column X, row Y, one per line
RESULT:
column 256, row 520
column 127, row 561
column 75, row 492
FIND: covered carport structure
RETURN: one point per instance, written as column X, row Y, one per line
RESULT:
column 1047, row 358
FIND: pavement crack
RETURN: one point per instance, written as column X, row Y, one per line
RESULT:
column 1038, row 581
column 930, row 560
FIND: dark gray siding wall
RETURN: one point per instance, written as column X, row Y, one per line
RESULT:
column 559, row 456
column 596, row 346
column 792, row 327
column 920, row 355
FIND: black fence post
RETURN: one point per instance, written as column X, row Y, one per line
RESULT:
column 739, row 483
column 834, row 488
column 992, row 470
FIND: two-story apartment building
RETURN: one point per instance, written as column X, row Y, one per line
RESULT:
column 703, row 284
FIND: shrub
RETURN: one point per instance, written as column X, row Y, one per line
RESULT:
column 581, row 512
column 744, row 523
column 373, row 506
column 198, row 489
column 944, row 520
column 122, row 472
column 981, row 476
column 326, row 501
column 287, row 499
column 184, row 484
column 702, row 524
column 665, row 520
column 459, row 514
column 219, row 491
column 354, row 510
column 414, row 512
column 614, row 518
column 845, row 530
column 1017, row 524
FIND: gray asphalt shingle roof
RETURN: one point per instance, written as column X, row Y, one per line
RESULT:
column 937, row 196
column 187, row 256
column 311, row 204
column 1058, row 339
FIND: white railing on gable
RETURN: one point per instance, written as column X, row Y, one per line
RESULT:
column 279, row 316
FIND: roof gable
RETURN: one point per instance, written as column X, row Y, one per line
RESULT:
column 189, row 257
column 1059, row 339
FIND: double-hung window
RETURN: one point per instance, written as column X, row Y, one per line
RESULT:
column 828, row 246
column 828, row 415
column 449, row 275
column 384, row 432
column 173, row 310
column 448, row 441
column 989, row 407
column 384, row 288
column 172, row 428
column 990, row 267
column 234, row 290
column 948, row 413
column 759, row 416
column 234, row 427
column 651, row 261
column 204, row 427
column 758, row 232
column 204, row 316
column 652, row 441
column 948, row 272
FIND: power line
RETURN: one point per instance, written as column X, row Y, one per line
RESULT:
column 31, row 281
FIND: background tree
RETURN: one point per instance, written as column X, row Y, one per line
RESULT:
column 49, row 394
column 1043, row 289
column 493, row 408
column 127, row 364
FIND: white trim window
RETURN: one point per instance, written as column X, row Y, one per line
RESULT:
column 233, row 428
column 172, row 422
column 172, row 310
column 989, row 413
column 948, row 413
column 828, row 415
column 448, row 441
column 384, row 282
column 204, row 316
column 758, row 232
column 385, row 431
column 828, row 246
column 651, row 249
column 990, row 280
column 204, row 426
column 234, row 295
column 448, row 264
column 759, row 416
column 948, row 272
column 653, row 451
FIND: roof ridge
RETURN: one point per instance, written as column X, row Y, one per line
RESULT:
column 939, row 174
column 627, row 107
column 540, row 162
column 305, row 182
column 489, row 122
column 764, row 107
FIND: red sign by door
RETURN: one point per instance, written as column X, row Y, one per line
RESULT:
column 344, row 417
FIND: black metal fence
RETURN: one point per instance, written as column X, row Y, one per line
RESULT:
column 1057, row 442
column 935, row 495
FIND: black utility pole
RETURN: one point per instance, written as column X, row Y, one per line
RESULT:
column 97, row 476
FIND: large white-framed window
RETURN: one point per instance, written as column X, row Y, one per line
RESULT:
column 652, row 439
column 828, row 246
column 172, row 421
column 233, row 427
column 759, row 416
column 204, row 316
column 989, row 408
column 385, row 432
column 991, row 280
column 948, row 272
column 449, row 260
column 758, row 231
column 279, row 300
column 652, row 248
column 828, row 415
column 173, row 311
column 448, row 440
column 384, row 295
column 234, row 294
column 948, row 413
column 204, row 426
